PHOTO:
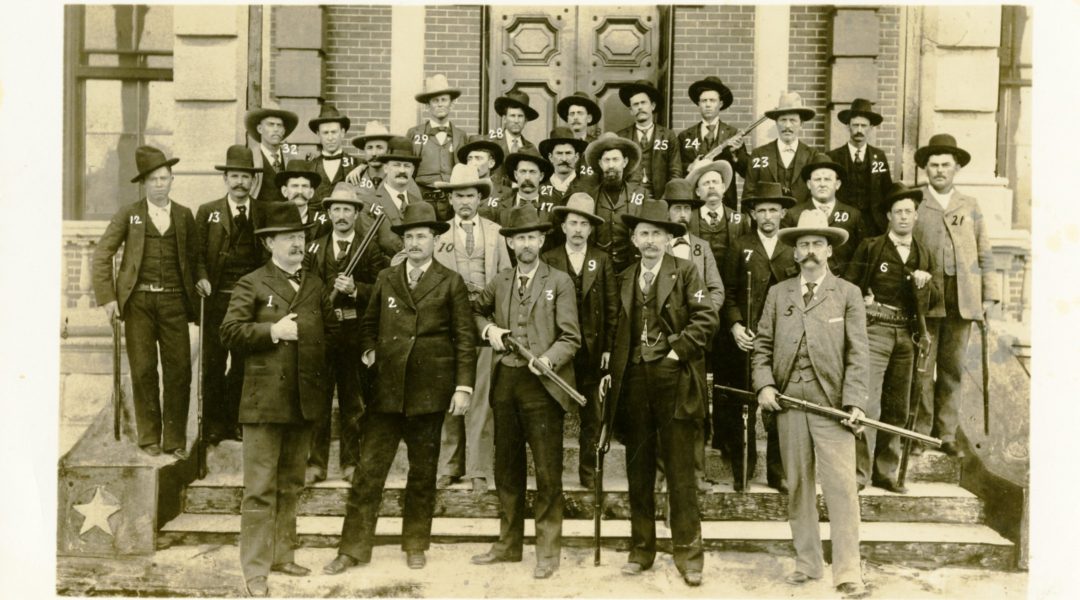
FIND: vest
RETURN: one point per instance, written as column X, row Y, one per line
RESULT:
column 243, row 254
column 645, row 316
column 519, row 322
column 802, row 369
column 891, row 286
column 471, row 266
column 268, row 190
column 161, row 261
column 645, row 167
column 785, row 173
column 436, row 161
column 856, row 186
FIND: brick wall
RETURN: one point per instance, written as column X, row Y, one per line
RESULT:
column 452, row 46
column 358, row 63
column 808, row 68
column 890, row 100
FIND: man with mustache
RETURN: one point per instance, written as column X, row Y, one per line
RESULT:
column 536, row 305
column 326, row 259
column 564, row 152
column 392, row 196
column 711, row 97
column 660, row 158
column 298, row 182
column 435, row 142
column 824, row 177
column 819, row 313
column 484, row 155
column 228, row 250
column 868, row 176
column 581, row 113
column 474, row 248
column 331, row 163
column 597, row 306
column 528, row 170
column 515, row 112
column 269, row 127
column 781, row 161
column 952, row 227
column 666, row 321
column 754, row 263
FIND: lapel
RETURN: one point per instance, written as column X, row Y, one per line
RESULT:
column 539, row 284
column 802, row 157
column 275, row 280
column 307, row 287
column 628, row 285
column 772, row 151
column 957, row 204
column 225, row 218
column 827, row 286
column 560, row 259
column 930, row 202
column 389, row 207
column 699, row 256
column 665, row 281
column 491, row 238
column 399, row 283
column 180, row 224
column 137, row 235
column 432, row 277
column 588, row 276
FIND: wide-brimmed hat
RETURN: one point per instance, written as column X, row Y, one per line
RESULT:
column 578, row 203
column 679, row 191
column 941, row 143
column 562, row 135
column 344, row 193
column 515, row 99
column 530, row 155
column 373, row 131
column 256, row 116
column 149, row 159
column 297, row 168
column 579, row 99
column 481, row 142
column 654, row 212
column 711, row 83
column 436, row 85
column 822, row 161
column 610, row 141
column 640, row 86
column 722, row 167
column 899, row 191
column 466, row 176
column 523, row 219
column 238, row 158
column 400, row 148
column 281, row 217
column 420, row 214
column 768, row 191
column 813, row 222
column 328, row 113
column 790, row 102
column 860, row 107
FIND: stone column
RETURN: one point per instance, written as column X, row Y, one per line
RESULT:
column 772, row 24
column 406, row 64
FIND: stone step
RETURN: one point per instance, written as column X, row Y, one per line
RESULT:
column 928, row 545
column 925, row 502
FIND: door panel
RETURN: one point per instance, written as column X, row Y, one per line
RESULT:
column 617, row 45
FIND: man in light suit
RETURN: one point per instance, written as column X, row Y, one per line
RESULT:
column 392, row 196
column 781, row 160
column 952, row 228
column 435, row 142
column 536, row 305
column 811, row 344
column 473, row 247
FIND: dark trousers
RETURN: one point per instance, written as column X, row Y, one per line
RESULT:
column 382, row 434
column 154, row 320
column 652, row 432
column 221, row 389
column 589, row 416
column 877, row 454
column 728, row 423
column 344, row 367
column 526, row 413
column 273, row 478
column 939, row 397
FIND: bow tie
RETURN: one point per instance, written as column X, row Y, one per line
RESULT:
column 334, row 157
column 295, row 276
column 440, row 130
column 902, row 243
column 680, row 242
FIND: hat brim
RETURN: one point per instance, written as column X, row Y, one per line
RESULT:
column 491, row 147
column 252, row 120
column 922, row 155
column 502, row 103
column 631, row 222
column 482, row 185
column 549, row 144
column 696, row 203
column 313, row 124
column 284, row 228
column 439, row 227
column 726, row 97
column 563, row 108
column 841, row 172
column 385, row 158
column 845, row 115
column 722, row 167
column 559, row 214
column 142, row 174
column 627, row 92
column 805, row 114
column 629, row 148
column 517, row 157
column 791, row 235
column 361, row 140
column 281, row 178
column 225, row 168
column 783, row 201
column 915, row 194
column 425, row 97
column 512, row 231
column 358, row 203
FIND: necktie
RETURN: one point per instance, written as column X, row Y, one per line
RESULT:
column 643, row 139
column 403, row 201
column 524, row 282
column 714, row 217
column 648, row 277
column 710, row 136
column 333, row 157
column 440, row 130
column 470, row 241
column 858, row 157
column 343, row 250
column 275, row 161
column 295, row 277
column 514, row 144
column 241, row 218
column 414, row 277
column 809, row 295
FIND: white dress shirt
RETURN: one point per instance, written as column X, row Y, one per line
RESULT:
column 655, row 272
column 942, row 199
column 769, row 243
column 817, row 283
column 577, row 257
column 826, row 207
column 705, row 210
column 905, row 250
column 680, row 246
column 787, row 157
column 234, row 208
column 856, row 152
column 160, row 216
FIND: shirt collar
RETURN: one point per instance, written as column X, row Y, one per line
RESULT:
column 423, row 268
column 278, row 265
column 647, row 130
column 705, row 124
column 391, row 193
column 159, row 209
column 233, row 204
column 270, row 152
column 766, row 241
column 340, row 238
column 656, row 268
column 816, row 282
column 830, row 204
column 793, row 145
column 704, row 211
column 518, row 274
column 941, row 197
column 475, row 220
column 853, row 150
column 433, row 124
column 896, row 238
column 571, row 251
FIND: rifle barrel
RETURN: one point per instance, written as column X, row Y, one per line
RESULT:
column 369, row 236
column 547, row 371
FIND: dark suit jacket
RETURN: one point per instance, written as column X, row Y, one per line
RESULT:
column 845, row 217
column 879, row 180
column 765, row 165
column 289, row 378
column 748, row 255
column 687, row 318
column 628, row 201
column 500, row 173
column 327, row 183
column 321, row 260
column 834, row 324
column 424, row 340
column 214, row 226
column 263, row 189
column 600, row 302
column 720, row 236
column 692, row 146
column 867, row 260
column 666, row 162
column 389, row 242
column 553, row 329
column 128, row 227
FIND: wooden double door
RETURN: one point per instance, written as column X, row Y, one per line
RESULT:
column 549, row 52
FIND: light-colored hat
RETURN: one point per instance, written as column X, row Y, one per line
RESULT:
column 466, row 176
column 436, row 85
column 344, row 193
column 610, row 141
column 374, row 130
column 813, row 222
column 791, row 102
column 722, row 167
column 578, row 203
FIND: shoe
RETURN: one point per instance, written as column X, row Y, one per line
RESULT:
column 291, row 568
column 632, row 568
column 692, row 578
column 780, row 486
column 446, row 481
column 891, row 486
column 952, row 449
column 851, row 589
column 797, row 578
column 544, row 571
column 152, row 449
column 490, row 558
column 737, row 484
column 415, row 559
column 314, row 475
column 179, row 454
column 257, row 588
column 861, row 486
column 340, row 564
column 587, row 481
column 347, row 473
column 702, row 485
column 479, row 484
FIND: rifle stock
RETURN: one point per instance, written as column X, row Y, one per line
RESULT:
column 516, row 345
column 712, row 154
column 984, row 330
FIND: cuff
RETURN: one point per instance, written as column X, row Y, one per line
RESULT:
column 464, row 388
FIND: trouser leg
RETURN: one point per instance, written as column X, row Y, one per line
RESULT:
column 834, row 451
column 479, row 423
column 296, row 440
column 641, row 451
column 895, row 400
column 510, row 469
column 798, row 453
column 261, row 453
column 382, row 434
column 421, row 433
column 140, row 336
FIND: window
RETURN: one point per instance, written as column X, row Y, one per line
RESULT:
column 118, row 96
column 1014, row 110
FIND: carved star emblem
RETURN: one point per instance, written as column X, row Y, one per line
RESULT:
column 98, row 511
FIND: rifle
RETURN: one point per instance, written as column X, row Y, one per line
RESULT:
column 923, row 343
column 984, row 329
column 712, row 154
column 515, row 345
column 603, row 444
column 200, row 450
column 369, row 237
column 118, row 384
column 749, row 386
column 836, row 413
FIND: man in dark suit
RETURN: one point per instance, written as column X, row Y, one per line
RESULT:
column 536, row 305
column 515, row 111
column 327, row 259
column 298, row 182
column 528, row 171
column 564, row 152
column 228, row 250
column 660, row 159
column 712, row 221
column 392, row 196
column 755, row 262
column 781, row 160
column 868, row 176
column 582, row 115
column 154, row 294
column 419, row 335
column 666, row 321
column 368, row 173
column 269, row 127
column 825, row 177
column 331, row 163
column 817, row 311
column 435, row 142
column 486, row 157
column 597, row 306
column 277, row 317
column 711, row 97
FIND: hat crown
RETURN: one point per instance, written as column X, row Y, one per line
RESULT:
column 942, row 139
column 342, row 191
column 373, row 128
column 523, row 216
column 789, row 100
column 768, row 189
column 822, row 161
column 280, row 217
column 435, row 83
column 148, row 156
column 812, row 219
column 298, row 165
column 581, row 202
column 678, row 190
column 561, row 132
column 518, row 96
column 239, row 156
column 328, row 111
column 417, row 213
column 463, row 173
column 653, row 210
column 400, row 146
column 861, row 105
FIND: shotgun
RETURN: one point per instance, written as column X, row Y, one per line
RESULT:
column 603, row 444
column 749, row 385
column 365, row 242
column 515, row 345
column 923, row 343
column 200, row 450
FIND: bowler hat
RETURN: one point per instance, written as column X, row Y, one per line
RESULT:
column 344, row 193
column 400, row 149
column 941, row 143
column 328, row 113
column 256, row 116
column 822, row 161
column 436, row 85
column 768, row 191
column 860, row 107
column 281, row 217
column 515, row 99
column 813, row 222
column 578, row 203
column 722, row 167
column 149, row 159
column 610, row 141
column 481, row 142
column 679, row 191
column 654, row 212
column 711, row 83
column 530, row 155
column 523, row 219
column 790, row 102
column 579, row 99
column 640, row 86
column 373, row 131
column 466, row 176
column 420, row 214
column 238, row 158
column 297, row 168
column 899, row 191
column 562, row 135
